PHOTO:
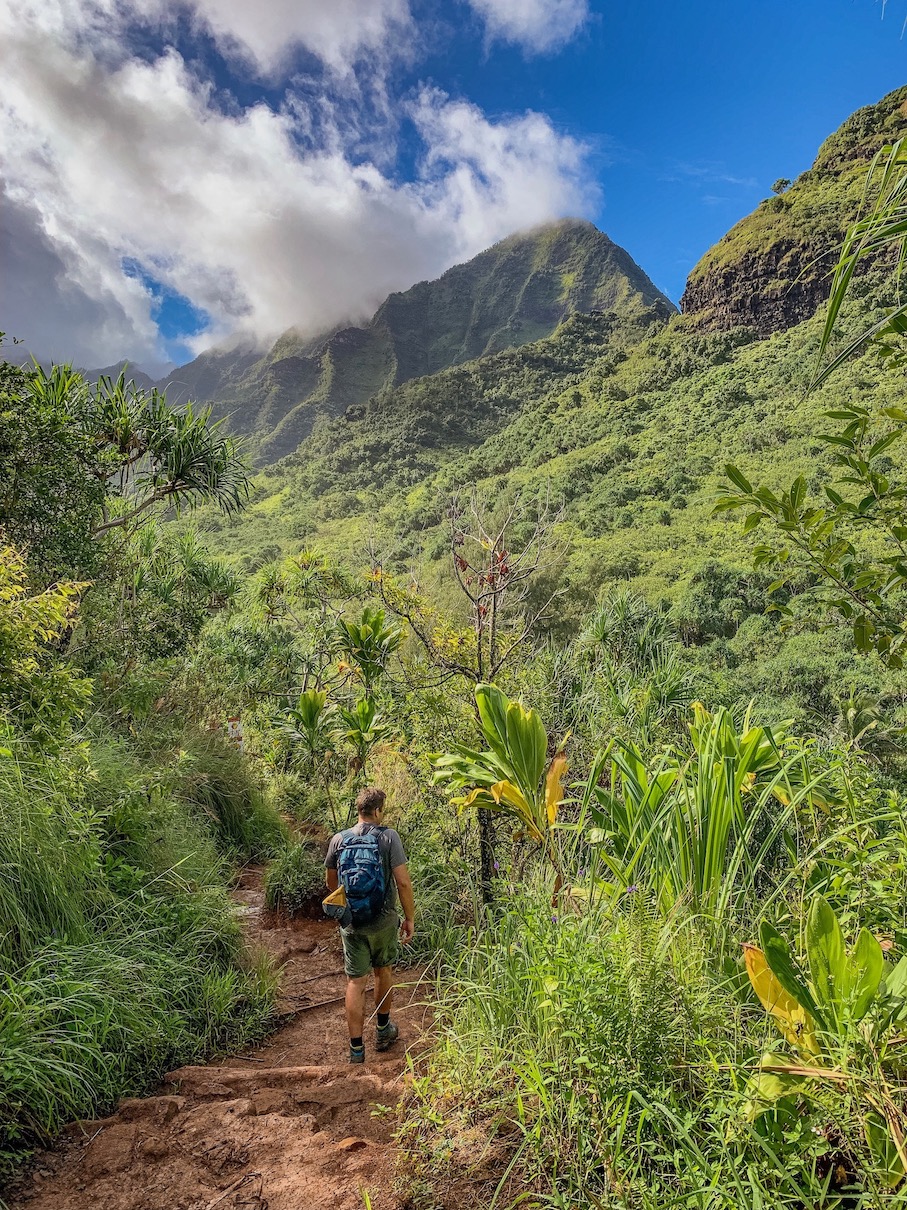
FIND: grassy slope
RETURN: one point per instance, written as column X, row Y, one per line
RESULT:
column 634, row 442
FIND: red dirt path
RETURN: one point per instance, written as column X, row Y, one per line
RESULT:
column 289, row 1125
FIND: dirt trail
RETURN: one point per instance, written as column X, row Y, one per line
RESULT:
column 289, row 1125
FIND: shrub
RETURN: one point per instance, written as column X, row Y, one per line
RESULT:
column 295, row 880
column 217, row 780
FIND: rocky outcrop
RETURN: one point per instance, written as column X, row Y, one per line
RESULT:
column 771, row 271
column 766, row 291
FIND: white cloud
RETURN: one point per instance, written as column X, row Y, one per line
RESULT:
column 264, row 34
column 106, row 159
column 338, row 31
column 520, row 168
column 536, row 25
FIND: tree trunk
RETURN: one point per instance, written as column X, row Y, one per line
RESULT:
column 486, row 855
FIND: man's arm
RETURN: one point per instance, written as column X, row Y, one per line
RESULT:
column 332, row 880
column 407, row 902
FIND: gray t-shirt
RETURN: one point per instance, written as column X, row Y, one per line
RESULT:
column 392, row 855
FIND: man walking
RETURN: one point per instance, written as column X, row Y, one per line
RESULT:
column 369, row 861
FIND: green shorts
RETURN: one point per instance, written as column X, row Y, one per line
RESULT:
column 364, row 949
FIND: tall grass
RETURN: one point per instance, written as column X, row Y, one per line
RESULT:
column 49, row 859
column 218, row 782
column 551, row 1021
column 81, row 1025
column 596, row 1057
column 119, row 952
column 295, row 881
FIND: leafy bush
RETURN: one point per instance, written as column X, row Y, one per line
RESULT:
column 217, row 780
column 295, row 880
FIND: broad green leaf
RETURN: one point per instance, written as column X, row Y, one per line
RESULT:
column 825, row 950
column 896, row 979
column 867, row 964
column 738, row 479
column 863, row 631
column 492, row 704
column 527, row 744
column 792, row 1018
column 782, row 965
column 764, row 1088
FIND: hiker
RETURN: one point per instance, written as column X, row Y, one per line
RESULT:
column 369, row 862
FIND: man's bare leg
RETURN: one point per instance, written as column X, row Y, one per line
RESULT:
column 384, row 989
column 355, row 1005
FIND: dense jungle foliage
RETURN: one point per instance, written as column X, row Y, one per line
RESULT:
column 649, row 770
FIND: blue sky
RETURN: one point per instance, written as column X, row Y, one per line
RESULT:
column 693, row 110
column 178, row 173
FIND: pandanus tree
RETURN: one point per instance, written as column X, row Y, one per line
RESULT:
column 305, row 591
column 513, row 775
column 145, row 452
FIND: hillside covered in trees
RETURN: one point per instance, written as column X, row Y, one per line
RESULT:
column 614, row 614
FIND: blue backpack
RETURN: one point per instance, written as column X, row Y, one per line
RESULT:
column 360, row 869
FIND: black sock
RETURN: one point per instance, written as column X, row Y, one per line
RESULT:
column 383, row 1020
column 356, row 1042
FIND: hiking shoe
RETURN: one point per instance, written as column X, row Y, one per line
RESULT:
column 386, row 1036
column 357, row 1054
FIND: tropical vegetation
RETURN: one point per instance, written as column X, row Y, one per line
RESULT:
column 648, row 763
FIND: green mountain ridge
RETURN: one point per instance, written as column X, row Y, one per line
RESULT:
column 513, row 293
column 629, row 420
column 771, row 269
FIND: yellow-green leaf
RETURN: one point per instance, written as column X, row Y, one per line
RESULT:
column 791, row 1017
column 554, row 789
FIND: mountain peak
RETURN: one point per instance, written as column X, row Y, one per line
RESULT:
column 513, row 293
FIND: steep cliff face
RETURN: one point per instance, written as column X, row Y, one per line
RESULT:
column 513, row 293
column 771, row 270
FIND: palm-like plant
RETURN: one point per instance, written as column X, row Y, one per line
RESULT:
column 146, row 452
column 366, row 727
column 699, row 828
column 513, row 774
column 313, row 725
column 368, row 642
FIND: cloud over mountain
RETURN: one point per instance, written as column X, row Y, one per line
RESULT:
column 126, row 161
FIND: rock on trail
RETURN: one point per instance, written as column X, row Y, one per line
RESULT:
column 289, row 1125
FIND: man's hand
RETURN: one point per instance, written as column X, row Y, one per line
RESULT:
column 407, row 929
